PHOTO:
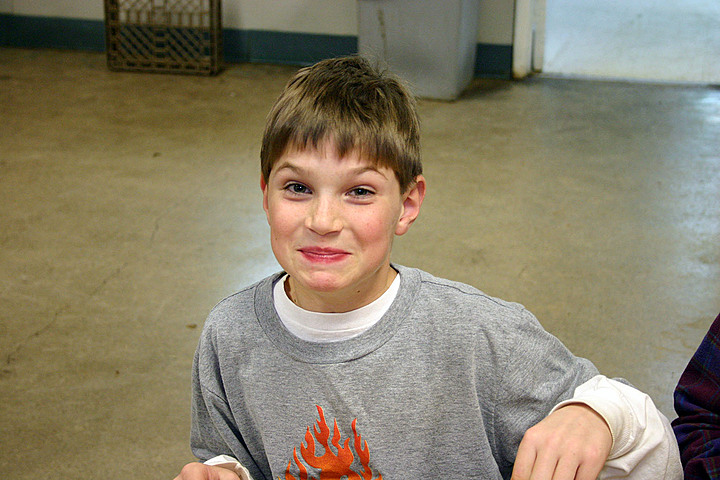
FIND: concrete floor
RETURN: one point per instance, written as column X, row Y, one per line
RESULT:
column 129, row 205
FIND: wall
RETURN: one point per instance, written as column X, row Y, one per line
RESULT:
column 83, row 9
column 252, row 29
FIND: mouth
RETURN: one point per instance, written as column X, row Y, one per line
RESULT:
column 323, row 254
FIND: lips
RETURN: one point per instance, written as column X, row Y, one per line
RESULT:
column 323, row 254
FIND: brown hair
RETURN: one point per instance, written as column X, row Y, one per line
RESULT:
column 357, row 107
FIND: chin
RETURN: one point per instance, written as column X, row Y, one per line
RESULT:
column 321, row 282
column 323, row 286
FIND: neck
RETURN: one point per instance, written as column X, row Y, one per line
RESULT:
column 338, row 301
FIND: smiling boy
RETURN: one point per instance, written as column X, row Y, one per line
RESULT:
column 344, row 365
column 332, row 225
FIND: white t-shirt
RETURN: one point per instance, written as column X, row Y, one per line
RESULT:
column 330, row 327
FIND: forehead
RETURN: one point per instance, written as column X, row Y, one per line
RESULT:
column 326, row 155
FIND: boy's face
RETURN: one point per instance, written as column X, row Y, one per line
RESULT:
column 332, row 223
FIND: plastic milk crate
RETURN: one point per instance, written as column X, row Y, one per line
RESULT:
column 181, row 36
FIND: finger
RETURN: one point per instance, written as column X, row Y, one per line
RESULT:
column 531, row 464
column 195, row 471
column 589, row 470
column 567, row 469
column 544, row 468
column 524, row 461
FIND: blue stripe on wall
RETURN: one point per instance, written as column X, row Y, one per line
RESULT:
column 238, row 45
column 493, row 60
column 284, row 47
column 51, row 32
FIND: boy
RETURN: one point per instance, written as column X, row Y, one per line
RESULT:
column 347, row 366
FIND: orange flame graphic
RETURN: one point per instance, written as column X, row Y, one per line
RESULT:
column 335, row 463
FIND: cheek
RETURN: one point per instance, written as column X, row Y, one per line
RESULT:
column 282, row 233
column 282, row 220
column 378, row 227
column 281, row 238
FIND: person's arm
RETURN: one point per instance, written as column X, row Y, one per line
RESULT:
column 697, row 403
column 571, row 443
column 641, row 446
column 215, row 439
column 208, row 434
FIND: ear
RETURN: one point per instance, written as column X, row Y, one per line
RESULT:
column 264, row 188
column 412, row 200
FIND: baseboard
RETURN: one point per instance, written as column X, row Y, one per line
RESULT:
column 23, row 31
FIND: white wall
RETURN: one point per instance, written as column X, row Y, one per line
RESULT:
column 496, row 22
column 335, row 17
column 84, row 9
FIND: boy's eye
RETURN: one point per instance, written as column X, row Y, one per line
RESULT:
column 360, row 192
column 297, row 188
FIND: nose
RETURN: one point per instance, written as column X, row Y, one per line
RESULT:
column 324, row 216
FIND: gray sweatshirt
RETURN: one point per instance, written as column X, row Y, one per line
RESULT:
column 443, row 386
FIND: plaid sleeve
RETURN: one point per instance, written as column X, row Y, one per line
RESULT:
column 697, row 403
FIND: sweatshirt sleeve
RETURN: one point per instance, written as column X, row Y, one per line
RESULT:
column 644, row 445
column 534, row 372
column 214, row 432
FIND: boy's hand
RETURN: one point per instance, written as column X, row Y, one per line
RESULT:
column 200, row 471
column 572, row 443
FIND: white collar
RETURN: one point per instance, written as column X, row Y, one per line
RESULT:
column 330, row 327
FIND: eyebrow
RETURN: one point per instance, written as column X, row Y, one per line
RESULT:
column 285, row 165
column 288, row 166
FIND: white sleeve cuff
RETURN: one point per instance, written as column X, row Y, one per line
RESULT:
column 601, row 394
column 644, row 445
column 228, row 462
